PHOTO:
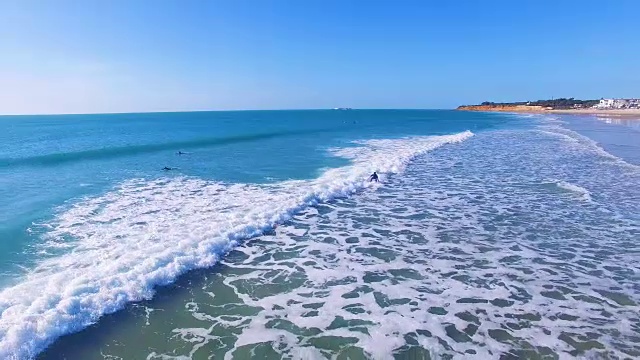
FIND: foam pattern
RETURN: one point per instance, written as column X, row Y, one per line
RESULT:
column 472, row 252
column 102, row 253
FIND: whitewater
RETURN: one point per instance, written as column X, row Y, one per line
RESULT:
column 494, row 236
column 145, row 234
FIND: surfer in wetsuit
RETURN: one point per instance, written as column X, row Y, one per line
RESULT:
column 180, row 153
column 373, row 177
column 167, row 168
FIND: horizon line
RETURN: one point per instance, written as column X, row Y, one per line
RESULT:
column 229, row 110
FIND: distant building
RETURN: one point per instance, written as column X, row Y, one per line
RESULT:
column 621, row 103
column 618, row 104
column 605, row 104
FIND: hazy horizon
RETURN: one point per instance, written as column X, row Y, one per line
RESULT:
column 221, row 110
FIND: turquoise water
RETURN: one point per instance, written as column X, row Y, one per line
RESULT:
column 81, row 155
column 489, row 234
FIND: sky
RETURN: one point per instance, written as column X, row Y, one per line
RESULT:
column 100, row 56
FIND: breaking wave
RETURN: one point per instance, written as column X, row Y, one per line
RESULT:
column 116, row 248
column 579, row 190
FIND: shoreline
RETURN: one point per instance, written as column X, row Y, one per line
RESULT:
column 619, row 113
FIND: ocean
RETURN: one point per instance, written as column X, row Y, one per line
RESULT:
column 494, row 236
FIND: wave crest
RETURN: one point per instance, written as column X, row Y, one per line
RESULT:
column 579, row 190
column 146, row 233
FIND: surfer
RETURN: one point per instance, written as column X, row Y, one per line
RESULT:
column 180, row 153
column 166, row 168
column 373, row 177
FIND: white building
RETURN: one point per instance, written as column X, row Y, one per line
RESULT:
column 621, row 103
column 618, row 103
column 605, row 104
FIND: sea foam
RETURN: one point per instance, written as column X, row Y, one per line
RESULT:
column 146, row 233
column 584, row 143
column 579, row 190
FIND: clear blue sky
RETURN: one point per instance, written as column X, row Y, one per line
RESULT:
column 119, row 56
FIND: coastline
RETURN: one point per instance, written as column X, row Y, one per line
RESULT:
column 621, row 113
column 625, row 113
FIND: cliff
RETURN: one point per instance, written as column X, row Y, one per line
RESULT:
column 503, row 108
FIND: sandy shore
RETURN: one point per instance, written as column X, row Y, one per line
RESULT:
column 619, row 113
column 626, row 113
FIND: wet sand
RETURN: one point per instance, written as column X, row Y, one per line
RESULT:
column 626, row 113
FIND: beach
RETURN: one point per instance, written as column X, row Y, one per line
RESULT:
column 525, row 109
column 487, row 236
column 626, row 113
